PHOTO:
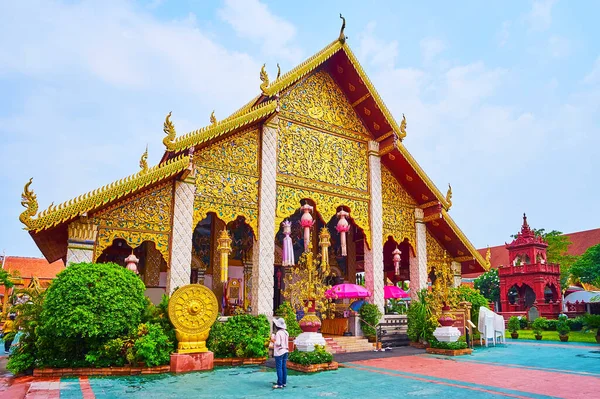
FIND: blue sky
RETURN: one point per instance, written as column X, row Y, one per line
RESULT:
column 502, row 98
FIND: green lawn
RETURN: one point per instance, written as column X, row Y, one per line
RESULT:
column 574, row 336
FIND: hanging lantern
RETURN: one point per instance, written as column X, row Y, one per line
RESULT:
column 131, row 263
column 288, row 246
column 224, row 249
column 396, row 260
column 324, row 244
column 306, row 221
column 342, row 227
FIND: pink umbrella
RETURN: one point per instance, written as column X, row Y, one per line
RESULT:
column 393, row 292
column 347, row 291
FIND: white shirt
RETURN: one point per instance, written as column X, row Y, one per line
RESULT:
column 281, row 343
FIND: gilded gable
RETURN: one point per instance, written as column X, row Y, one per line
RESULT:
column 398, row 209
column 319, row 101
column 435, row 252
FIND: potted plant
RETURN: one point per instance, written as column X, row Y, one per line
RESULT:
column 513, row 327
column 563, row 329
column 538, row 325
column 369, row 313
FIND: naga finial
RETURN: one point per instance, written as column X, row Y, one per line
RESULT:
column 403, row 127
column 169, row 130
column 342, row 37
column 144, row 161
column 278, row 71
column 449, row 196
column 488, row 257
column 213, row 118
column 29, row 201
column 264, row 77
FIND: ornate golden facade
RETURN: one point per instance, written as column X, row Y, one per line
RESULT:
column 435, row 253
column 398, row 209
column 227, row 179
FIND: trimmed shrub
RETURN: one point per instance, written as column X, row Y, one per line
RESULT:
column 240, row 336
column 448, row 345
column 318, row 356
column 369, row 313
column 513, row 324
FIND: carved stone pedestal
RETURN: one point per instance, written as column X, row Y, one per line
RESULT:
column 306, row 341
column 186, row 362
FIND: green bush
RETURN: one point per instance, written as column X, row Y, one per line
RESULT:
column 448, row 345
column 318, row 356
column 159, row 314
column 468, row 294
column 369, row 313
column 551, row 324
column 286, row 311
column 562, row 325
column 538, row 325
column 591, row 321
column 575, row 324
column 152, row 347
column 420, row 324
column 240, row 336
column 513, row 324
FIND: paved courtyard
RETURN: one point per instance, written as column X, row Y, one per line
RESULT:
column 521, row 369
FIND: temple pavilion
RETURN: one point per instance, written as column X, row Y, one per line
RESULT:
column 319, row 135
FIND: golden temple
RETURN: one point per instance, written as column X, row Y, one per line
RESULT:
column 319, row 134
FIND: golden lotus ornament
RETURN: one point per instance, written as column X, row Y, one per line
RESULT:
column 193, row 310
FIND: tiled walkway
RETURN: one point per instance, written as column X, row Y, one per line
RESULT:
column 522, row 369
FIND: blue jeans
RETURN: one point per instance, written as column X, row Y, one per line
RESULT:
column 281, row 367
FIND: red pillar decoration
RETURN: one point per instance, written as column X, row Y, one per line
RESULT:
column 528, row 267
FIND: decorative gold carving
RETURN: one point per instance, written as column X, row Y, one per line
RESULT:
column 398, row 209
column 447, row 238
column 436, row 224
column 288, row 202
column 311, row 154
column 449, row 196
column 149, row 210
column 360, row 100
column 300, row 182
column 351, row 87
column 424, row 197
column 367, row 111
column 461, row 259
column 319, row 98
column 82, row 231
column 109, row 193
column 402, row 128
column 227, row 179
column 133, row 238
column 376, row 126
column 385, row 136
column 488, row 257
column 340, row 69
column 193, row 309
column 435, row 253
column 459, row 252
column 432, row 218
column 169, row 130
column 144, row 161
column 29, row 201
column 213, row 118
column 264, row 78
column 391, row 157
column 154, row 262
column 409, row 178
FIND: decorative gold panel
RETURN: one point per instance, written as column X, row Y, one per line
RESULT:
column 398, row 209
column 288, row 202
column 319, row 101
column 314, row 155
column 227, row 180
column 435, row 252
column 133, row 238
column 149, row 211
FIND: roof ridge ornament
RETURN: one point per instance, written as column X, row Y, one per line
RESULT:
column 343, row 36
column 488, row 257
column 169, row 130
column 144, row 161
column 403, row 128
column 213, row 118
column 449, row 196
column 29, row 201
column 278, row 71
column 264, row 77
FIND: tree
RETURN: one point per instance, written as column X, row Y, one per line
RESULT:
column 489, row 285
column 587, row 267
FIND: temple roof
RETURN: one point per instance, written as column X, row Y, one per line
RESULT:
column 95, row 199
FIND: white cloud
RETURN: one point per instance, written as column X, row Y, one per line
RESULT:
column 504, row 33
column 378, row 52
column 253, row 20
column 540, row 16
column 430, row 48
column 593, row 76
column 558, row 46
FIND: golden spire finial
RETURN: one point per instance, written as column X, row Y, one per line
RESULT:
column 264, row 77
column 449, row 196
column 213, row 118
column 169, row 130
column 278, row 71
column 403, row 127
column 342, row 37
column 144, row 161
column 488, row 257
column 29, row 201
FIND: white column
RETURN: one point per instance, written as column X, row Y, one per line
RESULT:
column 264, row 248
column 418, row 267
column 180, row 268
column 456, row 274
column 80, row 244
column 374, row 257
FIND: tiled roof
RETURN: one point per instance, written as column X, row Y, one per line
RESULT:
column 33, row 267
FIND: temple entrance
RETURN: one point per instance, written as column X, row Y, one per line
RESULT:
column 522, row 297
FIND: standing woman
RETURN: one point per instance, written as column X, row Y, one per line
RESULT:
column 280, row 351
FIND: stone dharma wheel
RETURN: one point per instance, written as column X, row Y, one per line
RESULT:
column 192, row 310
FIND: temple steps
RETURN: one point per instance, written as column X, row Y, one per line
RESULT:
column 351, row 344
column 332, row 347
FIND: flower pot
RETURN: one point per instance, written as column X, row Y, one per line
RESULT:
column 563, row 338
column 538, row 337
column 514, row 335
column 446, row 320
